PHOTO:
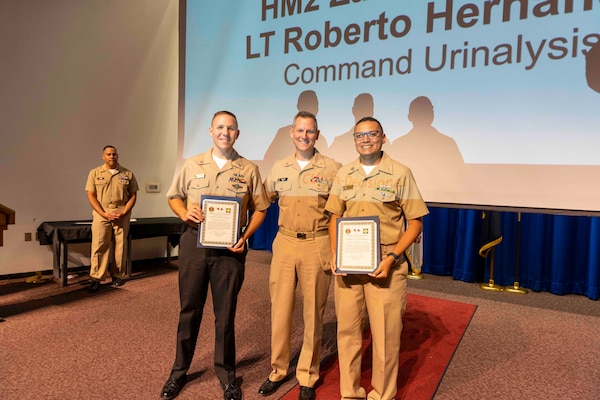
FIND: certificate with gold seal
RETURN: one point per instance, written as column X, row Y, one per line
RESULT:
column 221, row 225
column 358, row 250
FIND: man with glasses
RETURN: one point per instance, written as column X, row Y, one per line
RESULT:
column 301, row 254
column 374, row 185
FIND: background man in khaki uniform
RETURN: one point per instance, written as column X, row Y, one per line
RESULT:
column 112, row 192
column 374, row 185
column 301, row 254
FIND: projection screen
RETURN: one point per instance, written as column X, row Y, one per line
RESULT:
column 490, row 103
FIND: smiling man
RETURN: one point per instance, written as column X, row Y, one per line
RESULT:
column 374, row 185
column 220, row 171
column 301, row 255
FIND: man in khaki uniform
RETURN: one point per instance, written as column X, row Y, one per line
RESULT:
column 374, row 185
column 112, row 192
column 301, row 254
column 220, row 171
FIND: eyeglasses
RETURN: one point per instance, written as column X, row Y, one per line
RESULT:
column 370, row 134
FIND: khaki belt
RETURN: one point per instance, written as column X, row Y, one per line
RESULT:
column 304, row 235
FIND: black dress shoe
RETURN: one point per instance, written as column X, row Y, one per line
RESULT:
column 269, row 387
column 118, row 282
column 172, row 388
column 307, row 393
column 232, row 392
column 94, row 286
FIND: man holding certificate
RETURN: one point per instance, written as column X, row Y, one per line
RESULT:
column 372, row 192
column 301, row 254
column 228, row 186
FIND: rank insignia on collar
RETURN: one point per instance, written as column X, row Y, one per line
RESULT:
column 282, row 179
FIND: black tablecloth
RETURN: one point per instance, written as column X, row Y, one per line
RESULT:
column 141, row 228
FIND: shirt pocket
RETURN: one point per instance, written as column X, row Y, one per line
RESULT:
column 283, row 186
column 319, row 188
column 196, row 188
column 320, row 192
column 348, row 194
column 238, row 189
column 383, row 196
column 100, row 182
column 123, row 179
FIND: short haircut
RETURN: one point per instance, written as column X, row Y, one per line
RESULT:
column 224, row 112
column 365, row 119
column 305, row 114
column 108, row 146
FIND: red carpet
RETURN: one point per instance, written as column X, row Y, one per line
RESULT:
column 432, row 331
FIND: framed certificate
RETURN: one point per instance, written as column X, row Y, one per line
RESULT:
column 221, row 225
column 358, row 250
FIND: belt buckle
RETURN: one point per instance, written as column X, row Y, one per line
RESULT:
column 300, row 235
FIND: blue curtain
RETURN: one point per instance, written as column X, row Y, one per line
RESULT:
column 262, row 239
column 556, row 253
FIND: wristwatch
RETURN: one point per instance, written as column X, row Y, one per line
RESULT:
column 396, row 256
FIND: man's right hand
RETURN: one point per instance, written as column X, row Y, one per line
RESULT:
column 193, row 216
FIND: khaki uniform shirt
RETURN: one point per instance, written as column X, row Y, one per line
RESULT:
column 238, row 178
column 388, row 192
column 112, row 191
column 302, row 193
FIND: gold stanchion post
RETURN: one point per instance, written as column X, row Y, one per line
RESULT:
column 414, row 257
column 414, row 275
column 515, row 288
column 414, row 272
column 37, row 278
column 491, row 285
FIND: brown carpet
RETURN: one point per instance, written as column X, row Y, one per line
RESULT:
column 63, row 343
column 432, row 331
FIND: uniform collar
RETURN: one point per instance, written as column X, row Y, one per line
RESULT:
column 105, row 168
column 385, row 166
column 317, row 160
column 206, row 158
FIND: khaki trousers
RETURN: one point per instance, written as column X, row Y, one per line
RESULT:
column 385, row 302
column 104, row 234
column 304, row 262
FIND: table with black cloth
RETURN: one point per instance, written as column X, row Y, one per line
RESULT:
column 60, row 233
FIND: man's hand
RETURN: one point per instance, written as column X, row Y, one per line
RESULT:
column 194, row 214
column 384, row 268
column 113, row 215
column 239, row 246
